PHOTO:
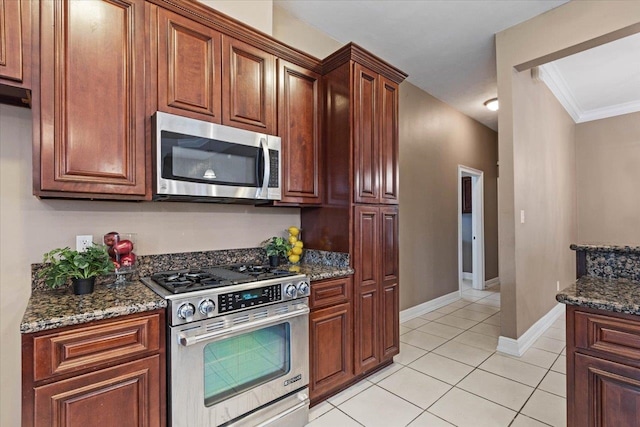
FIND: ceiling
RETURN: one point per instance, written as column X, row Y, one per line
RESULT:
column 446, row 46
column 597, row 83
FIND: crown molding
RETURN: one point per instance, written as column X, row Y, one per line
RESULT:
column 552, row 77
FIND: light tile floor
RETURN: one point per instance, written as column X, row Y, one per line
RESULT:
column 449, row 374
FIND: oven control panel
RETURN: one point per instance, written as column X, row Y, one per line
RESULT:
column 239, row 300
column 192, row 307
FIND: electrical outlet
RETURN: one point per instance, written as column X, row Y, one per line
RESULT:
column 83, row 242
column 522, row 217
column 558, row 286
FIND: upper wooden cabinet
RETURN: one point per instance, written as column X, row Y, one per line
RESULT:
column 248, row 87
column 375, row 144
column 15, row 42
column 299, row 124
column 388, row 145
column 89, row 136
column 189, row 68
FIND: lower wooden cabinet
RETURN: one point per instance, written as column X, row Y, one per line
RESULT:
column 331, row 337
column 376, row 286
column 125, row 395
column 103, row 373
column 603, row 368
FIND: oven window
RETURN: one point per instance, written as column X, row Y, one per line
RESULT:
column 237, row 364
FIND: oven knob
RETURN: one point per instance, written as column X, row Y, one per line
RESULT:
column 291, row 291
column 207, row 307
column 303, row 288
column 186, row 311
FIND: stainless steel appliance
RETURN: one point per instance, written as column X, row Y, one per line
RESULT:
column 238, row 346
column 198, row 160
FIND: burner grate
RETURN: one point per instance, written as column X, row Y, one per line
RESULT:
column 188, row 280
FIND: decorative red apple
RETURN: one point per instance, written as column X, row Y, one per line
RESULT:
column 128, row 260
column 123, row 247
column 120, row 251
column 111, row 238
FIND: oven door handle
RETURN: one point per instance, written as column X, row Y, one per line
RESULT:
column 209, row 336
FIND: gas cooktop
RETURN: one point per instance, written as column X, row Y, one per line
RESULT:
column 189, row 280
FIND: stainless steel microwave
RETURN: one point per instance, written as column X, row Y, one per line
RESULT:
column 198, row 160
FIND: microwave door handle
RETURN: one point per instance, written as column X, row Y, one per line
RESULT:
column 262, row 192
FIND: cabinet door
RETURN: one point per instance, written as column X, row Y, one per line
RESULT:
column 189, row 68
column 388, row 124
column 91, row 130
column 606, row 394
column 365, row 135
column 248, row 87
column 330, row 349
column 299, row 127
column 390, row 296
column 125, row 395
column 15, row 39
column 366, row 288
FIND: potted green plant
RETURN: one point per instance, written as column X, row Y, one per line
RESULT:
column 82, row 268
column 276, row 248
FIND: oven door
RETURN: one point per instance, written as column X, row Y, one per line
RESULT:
column 230, row 366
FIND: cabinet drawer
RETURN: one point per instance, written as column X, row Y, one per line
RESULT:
column 606, row 334
column 330, row 292
column 89, row 347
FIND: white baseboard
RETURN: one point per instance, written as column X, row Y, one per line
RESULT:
column 467, row 276
column 491, row 282
column 526, row 340
column 426, row 307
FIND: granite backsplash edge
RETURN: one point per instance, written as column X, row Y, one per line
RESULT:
column 148, row 264
column 611, row 262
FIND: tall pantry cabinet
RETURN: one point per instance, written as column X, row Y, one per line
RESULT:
column 360, row 210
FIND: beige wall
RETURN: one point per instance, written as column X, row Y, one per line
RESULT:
column 544, row 161
column 257, row 13
column 434, row 140
column 559, row 32
column 301, row 35
column 608, row 175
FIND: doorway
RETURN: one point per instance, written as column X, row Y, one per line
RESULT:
column 470, row 228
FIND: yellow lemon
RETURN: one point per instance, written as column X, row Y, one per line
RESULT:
column 295, row 268
column 288, row 253
column 299, row 244
column 296, row 250
column 293, row 240
column 294, row 231
column 294, row 258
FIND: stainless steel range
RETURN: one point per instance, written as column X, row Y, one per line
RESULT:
column 238, row 346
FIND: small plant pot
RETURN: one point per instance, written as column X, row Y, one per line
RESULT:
column 83, row 286
column 274, row 260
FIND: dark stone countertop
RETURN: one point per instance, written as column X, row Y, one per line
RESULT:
column 320, row 271
column 606, row 248
column 618, row 295
column 51, row 309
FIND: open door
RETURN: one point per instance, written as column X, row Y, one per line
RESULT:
column 470, row 227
